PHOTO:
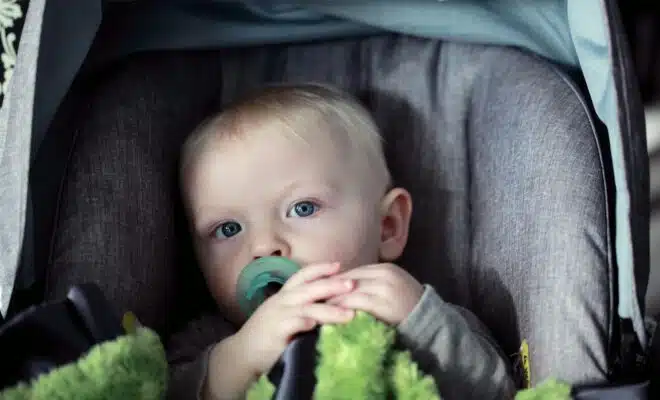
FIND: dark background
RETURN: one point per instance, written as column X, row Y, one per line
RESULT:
column 642, row 22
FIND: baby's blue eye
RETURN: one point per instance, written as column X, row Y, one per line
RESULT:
column 227, row 230
column 303, row 209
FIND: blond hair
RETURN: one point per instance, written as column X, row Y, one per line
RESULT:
column 300, row 109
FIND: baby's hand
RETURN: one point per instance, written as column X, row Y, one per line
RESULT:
column 386, row 291
column 293, row 309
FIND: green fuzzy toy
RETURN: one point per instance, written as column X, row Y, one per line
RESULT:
column 132, row 366
column 358, row 360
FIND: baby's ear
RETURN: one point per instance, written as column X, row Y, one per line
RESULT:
column 396, row 210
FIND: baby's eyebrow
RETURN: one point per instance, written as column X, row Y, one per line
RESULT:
column 296, row 185
column 209, row 218
column 205, row 227
column 304, row 187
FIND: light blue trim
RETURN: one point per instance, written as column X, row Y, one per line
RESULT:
column 593, row 49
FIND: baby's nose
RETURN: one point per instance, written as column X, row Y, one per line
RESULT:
column 272, row 247
column 272, row 253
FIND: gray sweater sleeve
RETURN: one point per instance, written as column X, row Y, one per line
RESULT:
column 451, row 344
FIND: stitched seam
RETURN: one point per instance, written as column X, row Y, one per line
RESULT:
column 610, row 262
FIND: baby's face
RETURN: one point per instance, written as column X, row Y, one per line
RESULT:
column 271, row 194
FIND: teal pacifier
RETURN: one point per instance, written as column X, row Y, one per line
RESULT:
column 260, row 279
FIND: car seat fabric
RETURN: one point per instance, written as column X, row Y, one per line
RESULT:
column 555, row 29
column 115, row 219
column 599, row 51
column 496, row 146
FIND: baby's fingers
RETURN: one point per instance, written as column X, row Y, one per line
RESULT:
column 374, row 305
column 327, row 314
column 307, row 317
column 316, row 291
column 311, row 273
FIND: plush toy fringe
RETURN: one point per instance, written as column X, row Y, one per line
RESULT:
column 550, row 389
column 133, row 366
column 356, row 361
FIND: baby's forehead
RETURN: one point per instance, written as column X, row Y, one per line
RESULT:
column 252, row 135
column 340, row 136
column 273, row 148
column 233, row 167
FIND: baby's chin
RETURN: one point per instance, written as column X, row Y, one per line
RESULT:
column 234, row 316
column 230, row 311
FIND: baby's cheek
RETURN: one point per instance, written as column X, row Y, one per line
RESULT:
column 352, row 248
column 218, row 288
column 221, row 283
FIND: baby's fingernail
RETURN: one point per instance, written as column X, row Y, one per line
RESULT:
column 348, row 283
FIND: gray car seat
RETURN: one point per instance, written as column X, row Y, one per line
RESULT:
column 496, row 146
column 510, row 171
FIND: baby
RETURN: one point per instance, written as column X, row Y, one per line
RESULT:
column 298, row 171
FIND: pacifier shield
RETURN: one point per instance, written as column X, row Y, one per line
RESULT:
column 258, row 276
